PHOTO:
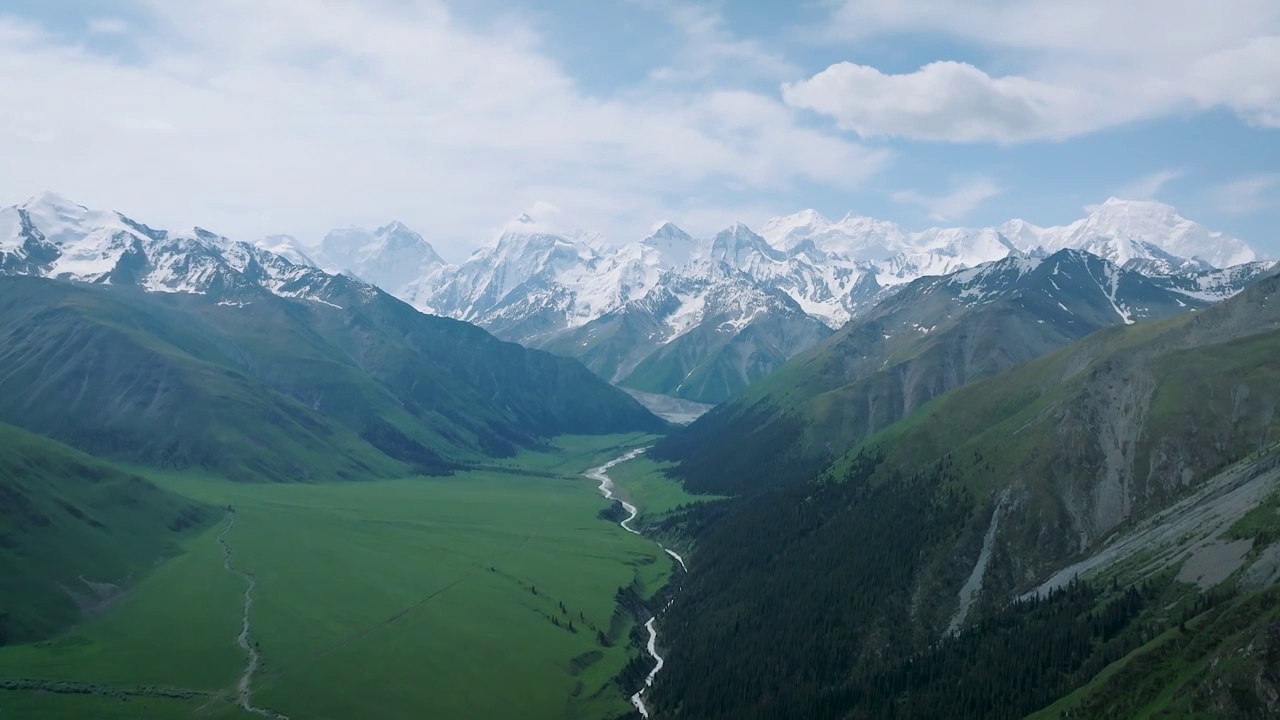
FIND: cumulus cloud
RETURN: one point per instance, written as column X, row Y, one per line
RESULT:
column 965, row 197
column 940, row 101
column 298, row 116
column 1080, row 66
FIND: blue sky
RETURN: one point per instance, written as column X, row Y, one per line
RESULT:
column 295, row 116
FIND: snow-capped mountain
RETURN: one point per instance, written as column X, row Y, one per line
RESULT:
column 1074, row 282
column 393, row 257
column 51, row 236
column 1150, row 236
column 674, row 247
column 289, row 248
column 854, row 236
column 668, row 313
column 1215, row 284
column 701, row 332
column 1126, row 232
column 536, row 279
column 657, row 314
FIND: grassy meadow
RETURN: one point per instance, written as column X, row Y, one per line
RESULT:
column 420, row 597
column 644, row 483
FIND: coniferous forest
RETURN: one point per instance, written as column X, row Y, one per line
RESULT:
column 811, row 612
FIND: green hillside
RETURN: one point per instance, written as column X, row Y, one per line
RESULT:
column 709, row 365
column 269, row 388
column 1149, row 445
column 76, row 532
column 931, row 337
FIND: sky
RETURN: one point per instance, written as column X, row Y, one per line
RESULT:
column 256, row 117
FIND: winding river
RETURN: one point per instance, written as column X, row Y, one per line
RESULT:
column 601, row 475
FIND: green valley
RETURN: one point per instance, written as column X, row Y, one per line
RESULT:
column 489, row 593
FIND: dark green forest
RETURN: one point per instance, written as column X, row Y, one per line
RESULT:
column 804, row 604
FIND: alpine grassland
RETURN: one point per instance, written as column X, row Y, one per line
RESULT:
column 644, row 483
column 492, row 592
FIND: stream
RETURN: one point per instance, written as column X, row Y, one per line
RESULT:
column 601, row 475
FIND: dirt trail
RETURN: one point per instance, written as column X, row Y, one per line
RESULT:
column 244, row 686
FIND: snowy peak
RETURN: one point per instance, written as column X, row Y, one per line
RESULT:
column 544, row 219
column 50, row 236
column 289, row 248
column 1071, row 289
column 854, row 237
column 789, row 231
column 60, row 220
column 395, row 237
column 1144, row 235
column 355, row 246
column 52, row 201
column 670, row 231
column 528, row 272
column 1128, row 231
column 540, row 218
column 976, row 246
column 1025, row 236
column 673, row 246
column 738, row 247
column 392, row 257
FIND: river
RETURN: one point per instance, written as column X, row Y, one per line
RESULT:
column 601, row 475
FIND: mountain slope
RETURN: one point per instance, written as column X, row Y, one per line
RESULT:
column 359, row 385
column 73, row 528
column 934, row 335
column 1214, row 285
column 1124, row 421
column 842, row 596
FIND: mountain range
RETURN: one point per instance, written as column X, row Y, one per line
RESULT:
column 702, row 318
column 191, row 350
column 697, row 319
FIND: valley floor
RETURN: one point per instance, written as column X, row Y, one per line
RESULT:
column 483, row 594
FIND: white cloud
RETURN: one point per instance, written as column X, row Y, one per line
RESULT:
column 1244, row 79
column 940, row 101
column 965, row 197
column 1081, row 66
column 1246, row 195
column 1148, row 187
column 301, row 115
